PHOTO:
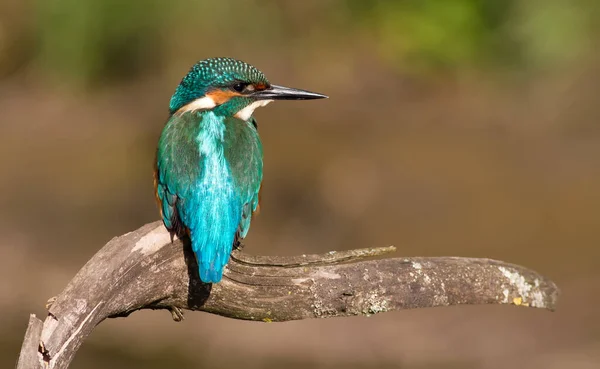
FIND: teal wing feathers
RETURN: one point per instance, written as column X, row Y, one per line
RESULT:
column 167, row 203
column 174, row 171
column 243, row 150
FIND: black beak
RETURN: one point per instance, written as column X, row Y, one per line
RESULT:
column 285, row 93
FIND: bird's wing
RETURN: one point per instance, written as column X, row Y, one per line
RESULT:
column 167, row 204
column 252, row 180
column 175, row 170
column 255, row 203
column 248, row 211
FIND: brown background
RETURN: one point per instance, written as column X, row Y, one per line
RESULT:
column 438, row 155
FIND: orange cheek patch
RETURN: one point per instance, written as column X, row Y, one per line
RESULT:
column 222, row 96
column 260, row 86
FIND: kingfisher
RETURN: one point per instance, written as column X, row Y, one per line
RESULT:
column 209, row 161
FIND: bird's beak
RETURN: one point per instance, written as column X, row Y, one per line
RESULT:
column 285, row 93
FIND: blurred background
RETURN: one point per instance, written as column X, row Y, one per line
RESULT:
column 457, row 127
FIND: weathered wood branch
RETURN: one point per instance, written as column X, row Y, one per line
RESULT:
column 145, row 270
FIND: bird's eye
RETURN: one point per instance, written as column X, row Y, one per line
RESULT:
column 240, row 86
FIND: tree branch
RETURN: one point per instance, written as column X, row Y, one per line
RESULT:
column 144, row 270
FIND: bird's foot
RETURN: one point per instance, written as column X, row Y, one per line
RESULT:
column 50, row 302
column 176, row 313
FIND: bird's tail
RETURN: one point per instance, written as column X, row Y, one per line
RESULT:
column 213, row 236
column 212, row 254
column 211, row 273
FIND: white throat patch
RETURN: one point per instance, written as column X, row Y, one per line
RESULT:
column 206, row 103
column 202, row 103
column 246, row 112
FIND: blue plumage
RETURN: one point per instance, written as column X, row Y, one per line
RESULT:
column 205, row 183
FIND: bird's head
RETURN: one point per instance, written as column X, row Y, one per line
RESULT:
column 229, row 87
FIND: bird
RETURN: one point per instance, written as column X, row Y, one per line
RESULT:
column 209, row 160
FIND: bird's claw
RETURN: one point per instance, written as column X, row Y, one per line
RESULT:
column 50, row 302
column 176, row 313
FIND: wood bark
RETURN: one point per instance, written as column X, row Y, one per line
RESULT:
column 145, row 270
